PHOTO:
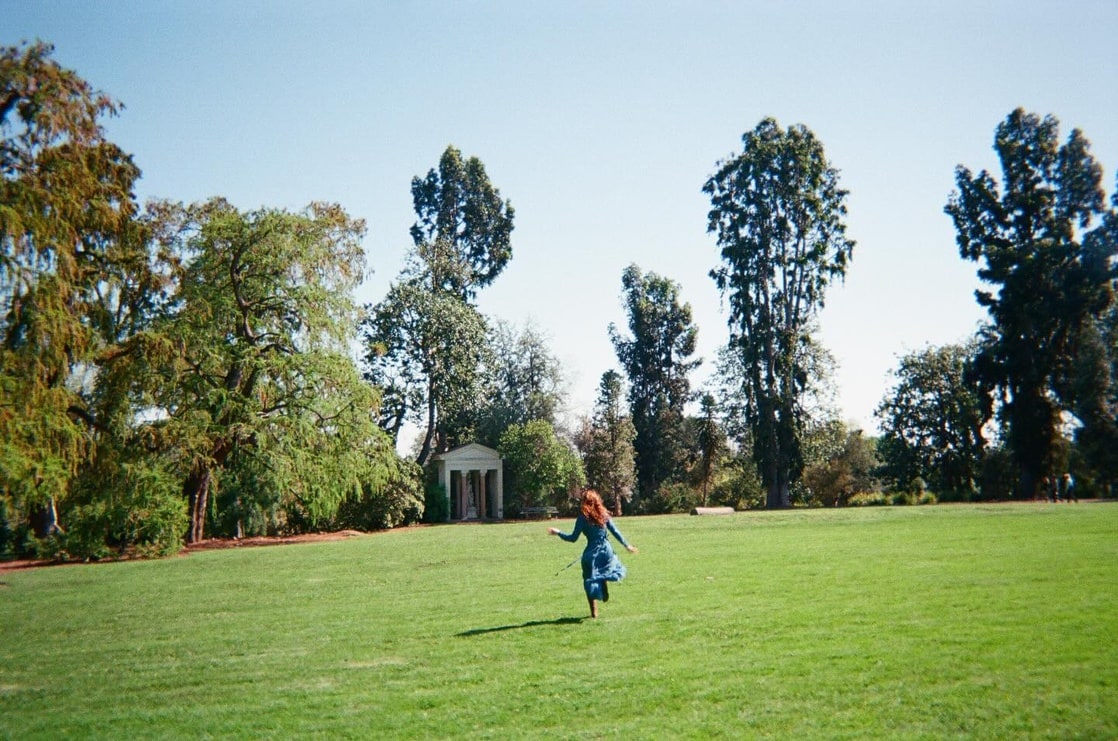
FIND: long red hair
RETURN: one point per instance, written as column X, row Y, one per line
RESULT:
column 593, row 509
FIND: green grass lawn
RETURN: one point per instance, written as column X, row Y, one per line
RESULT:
column 910, row 622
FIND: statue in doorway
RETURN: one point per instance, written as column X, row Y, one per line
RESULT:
column 471, row 501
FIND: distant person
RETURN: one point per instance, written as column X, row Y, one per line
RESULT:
column 599, row 563
column 1068, row 485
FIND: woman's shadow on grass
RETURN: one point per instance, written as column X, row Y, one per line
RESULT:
column 529, row 624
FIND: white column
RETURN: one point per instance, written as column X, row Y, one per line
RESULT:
column 481, row 509
column 500, row 490
column 461, row 496
column 445, row 478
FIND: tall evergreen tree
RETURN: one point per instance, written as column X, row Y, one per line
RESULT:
column 606, row 444
column 425, row 340
column 711, row 443
column 656, row 359
column 778, row 214
column 463, row 229
column 1094, row 385
column 1093, row 380
column 1028, row 236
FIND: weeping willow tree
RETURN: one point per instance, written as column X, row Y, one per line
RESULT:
column 258, row 377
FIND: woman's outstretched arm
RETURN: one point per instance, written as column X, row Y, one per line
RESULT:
column 620, row 538
column 573, row 536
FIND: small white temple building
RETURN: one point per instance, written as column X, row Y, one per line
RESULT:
column 471, row 476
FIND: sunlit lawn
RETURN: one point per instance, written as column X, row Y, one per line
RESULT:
column 922, row 622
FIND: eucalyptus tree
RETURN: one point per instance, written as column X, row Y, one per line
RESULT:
column 778, row 213
column 426, row 338
column 931, row 421
column 606, row 444
column 1032, row 237
column 656, row 358
column 67, row 240
column 253, row 355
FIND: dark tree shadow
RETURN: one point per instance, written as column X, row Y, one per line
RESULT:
column 529, row 624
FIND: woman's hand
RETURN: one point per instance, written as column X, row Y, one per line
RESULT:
column 552, row 531
column 632, row 549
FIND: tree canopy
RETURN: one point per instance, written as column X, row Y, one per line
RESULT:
column 425, row 341
column 656, row 357
column 522, row 380
column 259, row 359
column 778, row 213
column 932, row 422
column 1053, row 273
column 463, row 229
column 542, row 469
column 180, row 371
column 606, row 444
column 66, row 230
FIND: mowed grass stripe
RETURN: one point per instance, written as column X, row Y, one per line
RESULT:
column 920, row 622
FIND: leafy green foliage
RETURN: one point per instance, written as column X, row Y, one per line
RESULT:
column 257, row 384
column 463, row 229
column 436, row 502
column 1030, row 238
column 778, row 213
column 606, row 445
column 841, row 463
column 655, row 357
column 540, row 468
column 522, row 380
column 424, row 349
column 737, row 484
column 932, row 422
column 425, row 341
column 392, row 499
column 711, row 447
column 136, row 510
column 65, row 228
column 147, row 360
column 1092, row 385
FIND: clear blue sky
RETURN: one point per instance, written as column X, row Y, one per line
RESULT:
column 601, row 121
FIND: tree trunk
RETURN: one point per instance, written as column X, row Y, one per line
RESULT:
column 779, row 494
column 425, row 450
column 1027, row 485
column 197, row 490
column 44, row 520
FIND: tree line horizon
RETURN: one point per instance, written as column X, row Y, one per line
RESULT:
column 173, row 372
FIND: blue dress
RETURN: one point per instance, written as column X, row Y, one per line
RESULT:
column 599, row 563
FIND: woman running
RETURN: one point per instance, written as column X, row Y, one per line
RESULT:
column 599, row 563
